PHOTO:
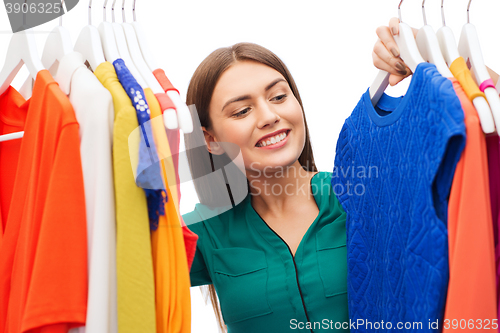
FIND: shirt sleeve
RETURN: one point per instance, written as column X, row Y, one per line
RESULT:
column 58, row 290
column 198, row 273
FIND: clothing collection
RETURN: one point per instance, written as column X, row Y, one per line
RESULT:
column 92, row 239
column 82, row 246
column 420, row 237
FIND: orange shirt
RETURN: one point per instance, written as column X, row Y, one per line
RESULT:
column 472, row 284
column 190, row 238
column 172, row 282
column 43, row 251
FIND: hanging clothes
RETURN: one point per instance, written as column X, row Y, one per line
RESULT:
column 470, row 229
column 136, row 293
column 166, row 103
column 262, row 287
column 190, row 238
column 493, row 148
column 394, row 167
column 148, row 170
column 94, row 112
column 172, row 285
column 43, row 250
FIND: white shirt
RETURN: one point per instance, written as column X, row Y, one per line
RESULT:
column 94, row 111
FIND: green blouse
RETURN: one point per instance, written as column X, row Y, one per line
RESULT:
column 261, row 286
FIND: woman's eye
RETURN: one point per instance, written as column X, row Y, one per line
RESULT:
column 242, row 112
column 279, row 97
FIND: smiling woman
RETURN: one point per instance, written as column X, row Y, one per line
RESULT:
column 279, row 254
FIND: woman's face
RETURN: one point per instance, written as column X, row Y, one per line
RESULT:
column 253, row 107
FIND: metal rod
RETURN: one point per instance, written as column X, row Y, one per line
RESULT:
column 123, row 10
column 133, row 11
column 442, row 13
column 468, row 7
column 113, row 11
column 423, row 12
column 399, row 11
column 60, row 17
column 104, row 10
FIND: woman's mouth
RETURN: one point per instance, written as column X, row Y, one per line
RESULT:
column 274, row 142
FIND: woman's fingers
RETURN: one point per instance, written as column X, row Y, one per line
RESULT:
column 386, row 55
column 395, row 79
column 383, row 59
column 396, row 75
column 394, row 26
column 385, row 36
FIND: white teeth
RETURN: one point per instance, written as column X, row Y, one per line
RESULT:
column 273, row 140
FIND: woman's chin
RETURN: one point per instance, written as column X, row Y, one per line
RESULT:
column 276, row 161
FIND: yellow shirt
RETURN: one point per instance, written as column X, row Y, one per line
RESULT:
column 461, row 72
column 173, row 298
column 136, row 295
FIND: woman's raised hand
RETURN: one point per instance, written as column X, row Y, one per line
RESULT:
column 386, row 52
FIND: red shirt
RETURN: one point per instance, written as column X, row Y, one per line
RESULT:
column 471, row 287
column 190, row 238
column 43, row 248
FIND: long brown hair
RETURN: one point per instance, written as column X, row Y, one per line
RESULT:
column 199, row 95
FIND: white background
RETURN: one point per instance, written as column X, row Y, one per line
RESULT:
column 326, row 44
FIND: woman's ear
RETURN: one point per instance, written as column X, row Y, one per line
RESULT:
column 213, row 145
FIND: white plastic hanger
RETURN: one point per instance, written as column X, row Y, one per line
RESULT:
column 170, row 116
column 449, row 50
column 447, row 41
column 470, row 49
column 137, row 58
column 143, row 43
column 409, row 53
column 89, row 44
column 428, row 46
column 182, row 115
column 123, row 49
column 21, row 50
column 57, row 45
column 108, row 40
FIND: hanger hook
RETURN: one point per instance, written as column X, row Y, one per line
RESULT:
column 24, row 14
column 468, row 7
column 399, row 12
column 60, row 17
column 123, row 11
column 423, row 12
column 442, row 13
column 113, row 11
column 133, row 11
column 90, row 10
column 104, row 10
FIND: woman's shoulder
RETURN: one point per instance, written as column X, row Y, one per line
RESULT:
column 321, row 185
column 323, row 180
column 324, row 175
column 203, row 214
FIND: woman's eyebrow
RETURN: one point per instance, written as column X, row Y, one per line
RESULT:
column 236, row 99
column 245, row 97
column 272, row 84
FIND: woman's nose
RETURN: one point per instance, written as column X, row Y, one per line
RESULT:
column 267, row 115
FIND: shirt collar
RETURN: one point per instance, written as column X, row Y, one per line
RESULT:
column 67, row 67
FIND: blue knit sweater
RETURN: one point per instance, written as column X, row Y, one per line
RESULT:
column 394, row 167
